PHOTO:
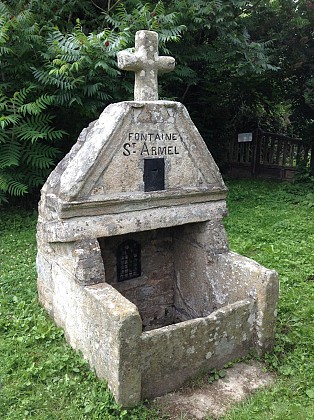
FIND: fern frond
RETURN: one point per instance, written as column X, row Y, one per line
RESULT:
column 6, row 120
column 3, row 198
column 63, row 98
column 20, row 96
column 91, row 90
column 37, row 127
column 4, row 136
column 54, row 78
column 37, row 106
column 103, row 96
column 41, row 75
column 10, row 154
column 75, row 100
column 160, row 8
column 4, row 51
column 35, row 179
column 4, row 100
column 186, row 72
column 4, row 10
column 39, row 155
column 8, row 184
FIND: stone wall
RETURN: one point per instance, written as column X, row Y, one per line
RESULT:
column 239, row 277
column 152, row 292
column 173, row 354
column 101, row 323
column 196, row 246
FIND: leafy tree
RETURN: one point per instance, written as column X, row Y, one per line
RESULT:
column 218, row 61
column 243, row 65
column 278, row 99
column 26, row 133
column 54, row 77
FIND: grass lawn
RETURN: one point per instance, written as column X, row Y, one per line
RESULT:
column 43, row 378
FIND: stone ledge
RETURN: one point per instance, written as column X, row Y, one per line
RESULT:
column 118, row 224
column 130, row 202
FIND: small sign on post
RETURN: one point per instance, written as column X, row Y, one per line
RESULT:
column 245, row 137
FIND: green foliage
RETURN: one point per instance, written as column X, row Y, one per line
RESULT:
column 238, row 68
column 61, row 13
column 216, row 60
column 26, row 135
column 273, row 224
column 286, row 94
column 150, row 17
column 56, row 78
column 78, row 69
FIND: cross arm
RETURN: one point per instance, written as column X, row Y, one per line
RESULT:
column 129, row 61
column 166, row 64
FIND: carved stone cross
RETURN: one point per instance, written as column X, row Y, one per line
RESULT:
column 146, row 63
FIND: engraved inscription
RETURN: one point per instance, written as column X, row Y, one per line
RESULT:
column 152, row 144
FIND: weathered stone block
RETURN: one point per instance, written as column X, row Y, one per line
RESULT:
column 171, row 355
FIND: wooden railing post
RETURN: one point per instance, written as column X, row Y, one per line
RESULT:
column 312, row 160
column 256, row 152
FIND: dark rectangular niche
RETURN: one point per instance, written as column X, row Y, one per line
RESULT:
column 154, row 174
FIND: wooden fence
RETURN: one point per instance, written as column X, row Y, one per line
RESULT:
column 268, row 155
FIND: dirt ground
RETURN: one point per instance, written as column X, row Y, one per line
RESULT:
column 201, row 399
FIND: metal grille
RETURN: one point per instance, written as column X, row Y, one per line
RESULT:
column 128, row 260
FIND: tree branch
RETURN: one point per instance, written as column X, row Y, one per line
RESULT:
column 114, row 5
column 98, row 7
column 185, row 93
